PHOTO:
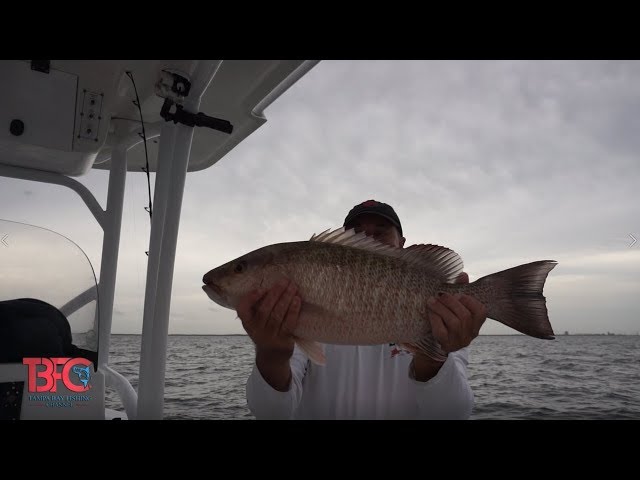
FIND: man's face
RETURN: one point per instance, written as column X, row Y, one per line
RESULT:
column 377, row 227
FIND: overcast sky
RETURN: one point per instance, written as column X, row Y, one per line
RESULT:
column 503, row 162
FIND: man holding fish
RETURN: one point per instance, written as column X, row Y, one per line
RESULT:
column 351, row 325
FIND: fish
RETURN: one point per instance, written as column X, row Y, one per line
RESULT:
column 356, row 290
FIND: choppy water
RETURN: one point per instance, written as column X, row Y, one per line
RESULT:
column 513, row 377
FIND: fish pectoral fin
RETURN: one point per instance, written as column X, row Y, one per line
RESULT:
column 427, row 346
column 314, row 350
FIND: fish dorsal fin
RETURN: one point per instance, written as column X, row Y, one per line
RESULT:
column 439, row 262
column 314, row 236
column 350, row 238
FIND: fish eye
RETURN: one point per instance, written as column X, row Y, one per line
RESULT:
column 240, row 267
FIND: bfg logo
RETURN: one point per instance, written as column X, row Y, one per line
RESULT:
column 77, row 368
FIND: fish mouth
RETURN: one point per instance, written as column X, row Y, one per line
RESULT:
column 213, row 287
column 214, row 292
column 206, row 279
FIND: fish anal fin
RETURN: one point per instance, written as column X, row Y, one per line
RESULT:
column 427, row 346
column 313, row 349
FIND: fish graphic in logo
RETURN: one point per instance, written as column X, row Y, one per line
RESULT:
column 83, row 374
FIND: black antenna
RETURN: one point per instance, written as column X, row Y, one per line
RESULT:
column 143, row 135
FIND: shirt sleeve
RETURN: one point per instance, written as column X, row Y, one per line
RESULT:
column 267, row 403
column 448, row 394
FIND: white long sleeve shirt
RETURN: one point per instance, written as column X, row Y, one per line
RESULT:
column 363, row 382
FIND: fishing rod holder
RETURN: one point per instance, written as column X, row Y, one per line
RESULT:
column 180, row 115
column 174, row 88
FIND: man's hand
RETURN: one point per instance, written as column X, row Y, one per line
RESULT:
column 270, row 317
column 455, row 322
column 456, row 319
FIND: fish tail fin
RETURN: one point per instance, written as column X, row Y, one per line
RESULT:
column 517, row 299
